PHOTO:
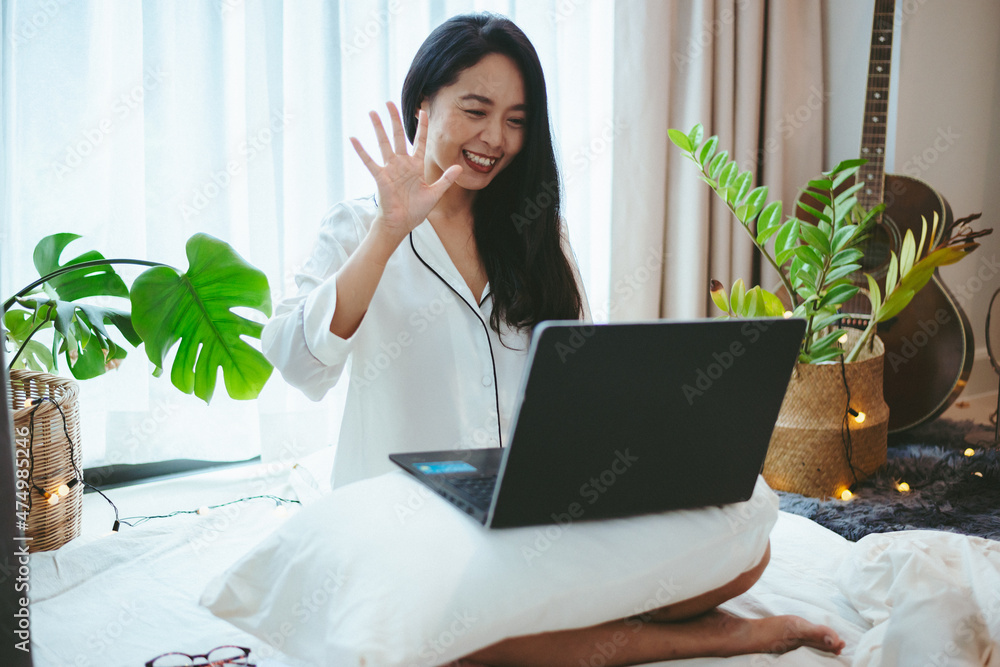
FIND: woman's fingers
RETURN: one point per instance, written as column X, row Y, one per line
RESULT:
column 420, row 140
column 398, row 136
column 449, row 176
column 383, row 139
column 372, row 166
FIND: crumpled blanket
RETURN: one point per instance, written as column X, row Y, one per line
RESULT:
column 932, row 598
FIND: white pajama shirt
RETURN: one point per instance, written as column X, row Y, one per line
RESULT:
column 427, row 371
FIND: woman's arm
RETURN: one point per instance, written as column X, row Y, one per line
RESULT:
column 404, row 200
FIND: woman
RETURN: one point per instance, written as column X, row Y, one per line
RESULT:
column 433, row 288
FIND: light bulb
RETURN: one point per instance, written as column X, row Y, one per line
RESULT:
column 842, row 339
column 903, row 487
column 978, row 474
column 203, row 510
column 846, row 494
column 63, row 490
column 787, row 314
column 970, row 452
column 859, row 417
column 53, row 498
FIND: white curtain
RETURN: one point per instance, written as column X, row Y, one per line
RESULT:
column 137, row 124
column 751, row 71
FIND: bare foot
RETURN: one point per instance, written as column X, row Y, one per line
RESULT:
column 730, row 635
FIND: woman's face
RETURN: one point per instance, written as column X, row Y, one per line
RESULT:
column 478, row 122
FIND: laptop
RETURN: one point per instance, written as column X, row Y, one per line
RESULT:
column 616, row 420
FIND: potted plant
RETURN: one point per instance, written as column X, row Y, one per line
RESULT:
column 832, row 429
column 190, row 309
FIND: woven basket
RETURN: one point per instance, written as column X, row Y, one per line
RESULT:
column 809, row 448
column 49, row 452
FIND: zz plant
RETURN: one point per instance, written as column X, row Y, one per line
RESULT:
column 192, row 309
column 817, row 262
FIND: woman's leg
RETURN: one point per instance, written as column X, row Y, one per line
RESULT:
column 688, row 629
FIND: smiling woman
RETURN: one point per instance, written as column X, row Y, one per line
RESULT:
column 445, row 219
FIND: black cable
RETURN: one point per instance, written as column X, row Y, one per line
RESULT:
column 845, row 427
column 139, row 520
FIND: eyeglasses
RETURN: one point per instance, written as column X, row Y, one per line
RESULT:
column 217, row 657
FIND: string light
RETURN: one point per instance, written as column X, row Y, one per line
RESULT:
column 970, row 452
column 859, row 417
column 204, row 509
column 903, row 487
column 843, row 339
column 978, row 474
column 846, row 494
column 786, row 314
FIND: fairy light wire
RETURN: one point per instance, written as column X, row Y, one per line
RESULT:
column 131, row 521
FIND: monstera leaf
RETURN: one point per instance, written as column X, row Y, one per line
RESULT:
column 194, row 309
column 72, row 285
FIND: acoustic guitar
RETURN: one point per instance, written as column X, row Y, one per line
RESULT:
column 928, row 345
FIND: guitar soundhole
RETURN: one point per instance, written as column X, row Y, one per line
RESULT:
column 877, row 248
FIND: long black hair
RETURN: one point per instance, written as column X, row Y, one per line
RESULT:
column 516, row 217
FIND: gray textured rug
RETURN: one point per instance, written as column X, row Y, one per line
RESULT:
column 945, row 491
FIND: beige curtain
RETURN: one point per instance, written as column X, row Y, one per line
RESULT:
column 751, row 71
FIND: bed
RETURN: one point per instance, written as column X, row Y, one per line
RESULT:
column 911, row 598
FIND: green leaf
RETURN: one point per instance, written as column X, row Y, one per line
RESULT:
column 73, row 285
column 837, row 295
column 823, row 185
column 736, row 296
column 814, row 212
column 755, row 200
column 843, row 176
column 849, row 256
column 788, row 236
column 695, row 135
column 843, row 237
column 764, row 236
column 892, row 275
column 720, row 299
column 194, row 309
column 680, row 139
column 783, row 256
column 846, row 194
column 844, row 209
column 809, row 255
column 853, row 163
column 715, row 166
column 35, row 357
column 815, row 238
column 742, row 186
column 839, row 272
column 769, row 217
column 907, row 253
column 829, row 339
column 772, row 305
column 727, row 174
column 707, row 150
column 874, row 295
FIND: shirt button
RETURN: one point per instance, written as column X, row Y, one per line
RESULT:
column 487, row 380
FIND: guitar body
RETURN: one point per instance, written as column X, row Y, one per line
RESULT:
column 929, row 346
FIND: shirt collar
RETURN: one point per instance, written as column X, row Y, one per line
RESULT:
column 429, row 248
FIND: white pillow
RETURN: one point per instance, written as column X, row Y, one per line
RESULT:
column 384, row 572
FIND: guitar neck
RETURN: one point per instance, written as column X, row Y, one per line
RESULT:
column 873, row 129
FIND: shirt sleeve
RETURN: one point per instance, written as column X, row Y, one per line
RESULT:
column 297, row 339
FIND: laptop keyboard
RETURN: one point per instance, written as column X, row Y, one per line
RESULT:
column 479, row 488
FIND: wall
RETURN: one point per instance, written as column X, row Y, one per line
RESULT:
column 947, row 122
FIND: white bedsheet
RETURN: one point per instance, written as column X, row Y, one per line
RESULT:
column 917, row 598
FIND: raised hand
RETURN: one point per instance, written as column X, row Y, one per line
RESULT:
column 404, row 197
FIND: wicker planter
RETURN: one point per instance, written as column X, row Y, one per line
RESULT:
column 814, row 450
column 41, row 439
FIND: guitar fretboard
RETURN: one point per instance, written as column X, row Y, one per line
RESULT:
column 876, row 105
